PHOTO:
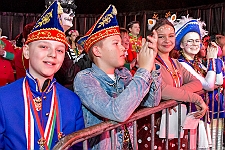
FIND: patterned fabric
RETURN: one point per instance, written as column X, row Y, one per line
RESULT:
column 105, row 26
column 144, row 135
column 144, row 124
column 48, row 27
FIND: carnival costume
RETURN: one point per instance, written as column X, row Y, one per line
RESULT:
column 105, row 98
column 135, row 44
column 6, row 62
column 21, row 63
column 34, row 117
column 178, row 84
column 208, row 76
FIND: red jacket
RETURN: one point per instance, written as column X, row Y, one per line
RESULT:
column 21, row 63
column 6, row 69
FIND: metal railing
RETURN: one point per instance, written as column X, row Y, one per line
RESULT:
column 87, row 133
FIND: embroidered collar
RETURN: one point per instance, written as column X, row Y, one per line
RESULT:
column 34, row 85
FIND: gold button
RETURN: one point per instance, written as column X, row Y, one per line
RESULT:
column 47, row 114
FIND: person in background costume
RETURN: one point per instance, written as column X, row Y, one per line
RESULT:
column 135, row 43
column 125, row 42
column 65, row 75
column 21, row 63
column 40, row 111
column 6, row 60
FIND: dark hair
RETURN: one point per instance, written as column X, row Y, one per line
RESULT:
column 160, row 22
column 77, row 38
column 130, row 25
column 123, row 30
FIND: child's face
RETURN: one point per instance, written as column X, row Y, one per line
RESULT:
column 125, row 40
column 46, row 57
column 166, row 38
column 191, row 43
column 73, row 36
column 112, row 52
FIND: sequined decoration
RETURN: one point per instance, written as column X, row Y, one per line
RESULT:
column 41, row 143
column 127, row 145
column 37, row 103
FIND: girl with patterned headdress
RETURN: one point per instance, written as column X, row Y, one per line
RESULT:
column 178, row 84
column 188, row 40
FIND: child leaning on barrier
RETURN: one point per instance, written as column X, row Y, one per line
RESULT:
column 178, row 84
column 107, row 89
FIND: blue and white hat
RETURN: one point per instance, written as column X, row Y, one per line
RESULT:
column 185, row 25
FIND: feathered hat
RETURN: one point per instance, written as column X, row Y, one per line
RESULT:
column 187, row 24
column 105, row 26
column 48, row 27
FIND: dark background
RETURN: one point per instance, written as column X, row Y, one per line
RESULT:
column 98, row 6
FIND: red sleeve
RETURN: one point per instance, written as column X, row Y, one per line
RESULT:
column 8, row 46
column 131, row 55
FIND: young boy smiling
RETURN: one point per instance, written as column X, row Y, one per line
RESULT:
column 40, row 111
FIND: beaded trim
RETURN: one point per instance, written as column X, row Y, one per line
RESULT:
column 47, row 34
column 101, row 35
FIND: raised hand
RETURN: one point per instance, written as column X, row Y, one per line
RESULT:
column 148, row 52
column 212, row 50
column 153, row 42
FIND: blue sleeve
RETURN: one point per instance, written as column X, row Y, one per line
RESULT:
column 2, row 127
column 97, row 100
column 219, row 66
column 79, row 126
column 154, row 95
column 79, row 117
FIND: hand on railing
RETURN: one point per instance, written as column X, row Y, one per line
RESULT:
column 172, row 108
column 202, row 109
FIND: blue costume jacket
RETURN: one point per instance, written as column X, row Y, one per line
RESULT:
column 12, row 113
column 214, row 73
column 104, row 98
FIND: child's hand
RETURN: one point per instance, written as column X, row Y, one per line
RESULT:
column 212, row 50
column 148, row 52
column 153, row 42
column 202, row 108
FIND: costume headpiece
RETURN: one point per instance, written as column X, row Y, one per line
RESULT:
column 81, row 41
column 105, row 26
column 152, row 22
column 48, row 27
column 67, row 5
column 186, row 24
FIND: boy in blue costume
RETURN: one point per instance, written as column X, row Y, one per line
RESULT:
column 40, row 111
